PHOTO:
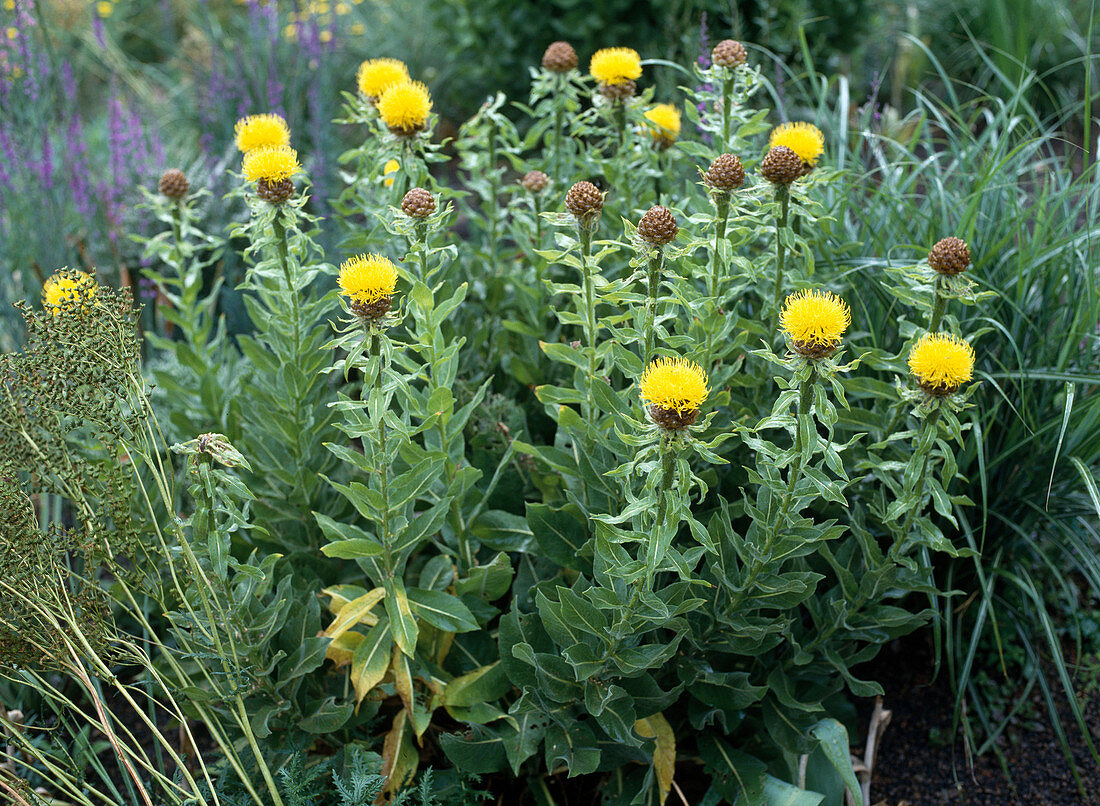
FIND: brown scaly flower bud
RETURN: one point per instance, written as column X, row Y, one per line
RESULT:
column 950, row 256
column 781, row 166
column 173, row 184
column 535, row 181
column 274, row 191
column 371, row 311
column 729, row 53
column 418, row 203
column 725, row 173
column 671, row 419
column 658, row 227
column 559, row 57
column 618, row 92
column 585, row 201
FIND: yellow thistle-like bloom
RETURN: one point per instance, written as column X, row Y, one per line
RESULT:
column 815, row 320
column 367, row 278
column 375, row 76
column 941, row 362
column 666, row 120
column 804, row 139
column 271, row 163
column 389, row 170
column 674, row 385
column 404, row 107
column 615, row 65
column 260, row 131
column 63, row 290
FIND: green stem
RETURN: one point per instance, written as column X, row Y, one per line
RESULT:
column 656, row 264
column 619, row 114
column 727, row 94
column 589, row 317
column 938, row 307
column 383, row 465
column 559, row 125
column 246, row 726
column 722, row 201
column 805, row 393
column 491, row 213
column 930, row 422
column 283, row 249
column 540, row 264
column 783, row 195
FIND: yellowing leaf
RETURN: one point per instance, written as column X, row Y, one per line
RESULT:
column 399, row 756
column 340, row 650
column 371, row 659
column 664, row 754
column 355, row 611
column 341, row 595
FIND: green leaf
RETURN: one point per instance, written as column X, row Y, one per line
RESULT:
column 371, row 659
column 483, row 685
column 780, row 793
column 403, row 624
column 574, row 748
column 834, row 744
column 560, row 533
column 479, row 751
column 328, row 717
column 488, row 582
column 441, row 610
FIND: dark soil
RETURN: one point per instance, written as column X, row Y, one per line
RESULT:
column 918, row 765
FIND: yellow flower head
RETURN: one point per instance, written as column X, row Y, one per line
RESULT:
column 666, row 120
column 259, row 131
column 405, row 106
column 389, row 170
column 941, row 362
column 815, row 320
column 615, row 65
column 377, row 75
column 367, row 278
column 674, row 384
column 804, row 139
column 66, row 289
column 271, row 163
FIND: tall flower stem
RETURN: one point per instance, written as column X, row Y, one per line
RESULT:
column 805, row 394
column 379, row 356
column 618, row 111
column 656, row 264
column 559, row 125
column 540, row 264
column 589, row 316
column 283, row 249
column 938, row 307
column 727, row 97
column 783, row 196
column 722, row 202
column 931, row 422
column 494, row 193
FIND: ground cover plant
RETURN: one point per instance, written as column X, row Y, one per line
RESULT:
column 606, row 437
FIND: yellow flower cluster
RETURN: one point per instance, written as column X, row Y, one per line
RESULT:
column 815, row 320
column 804, row 139
column 261, row 131
column 375, row 76
column 367, row 278
column 613, row 66
column 389, row 172
column 674, row 384
column 666, row 120
column 404, row 107
column 941, row 362
column 65, row 289
column 271, row 164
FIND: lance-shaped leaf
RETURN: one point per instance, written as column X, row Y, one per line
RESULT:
column 356, row 611
column 402, row 621
column 656, row 727
column 399, row 756
column 371, row 659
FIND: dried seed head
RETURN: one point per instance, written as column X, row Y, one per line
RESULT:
column 781, row 166
column 725, row 173
column 173, row 184
column 658, row 226
column 950, row 256
column 559, row 57
column 535, row 181
column 729, row 53
column 274, row 191
column 585, row 201
column 618, row 92
column 418, row 203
